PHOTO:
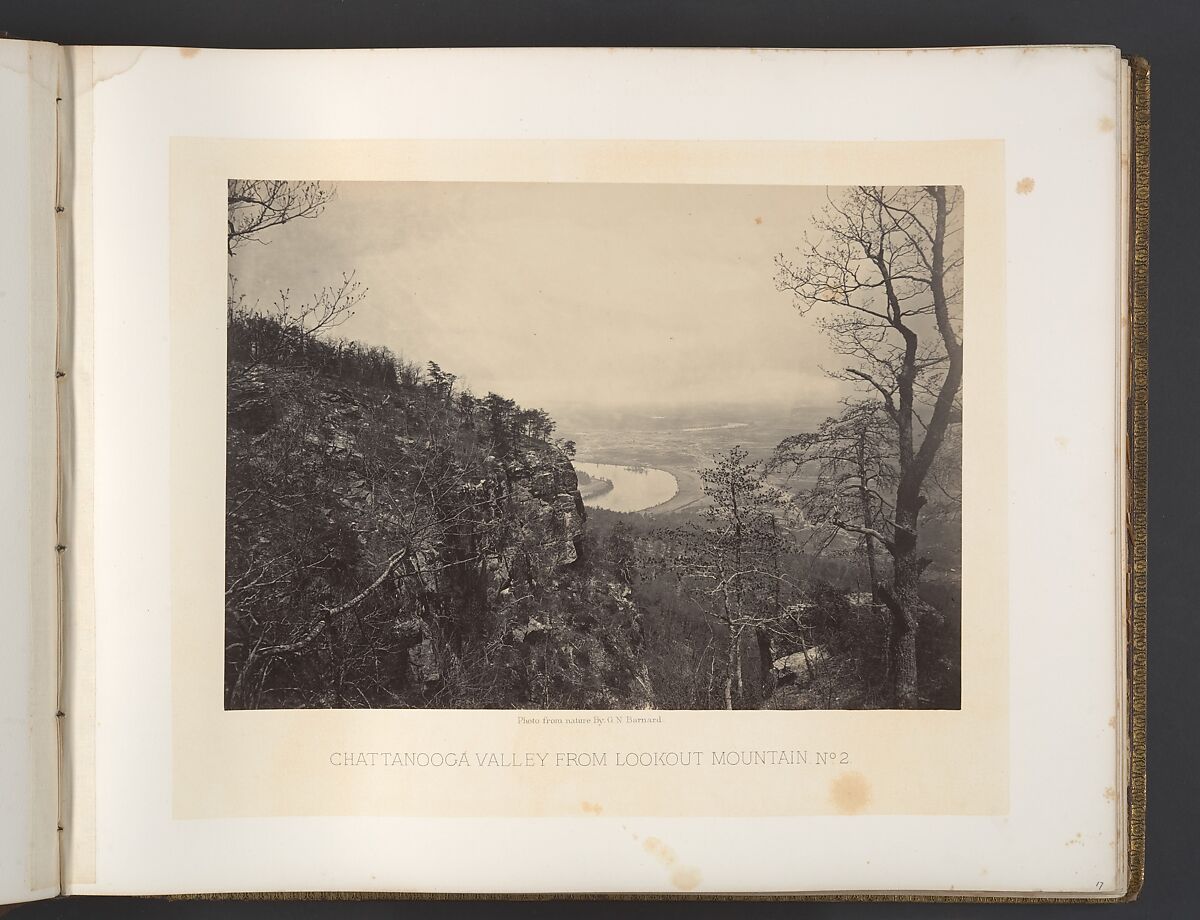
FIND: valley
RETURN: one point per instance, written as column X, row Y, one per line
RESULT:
column 678, row 444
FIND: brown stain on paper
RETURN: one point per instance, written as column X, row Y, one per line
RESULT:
column 188, row 52
column 1107, row 125
column 592, row 808
column 1025, row 186
column 850, row 793
column 758, row 220
column 684, row 878
column 1110, row 794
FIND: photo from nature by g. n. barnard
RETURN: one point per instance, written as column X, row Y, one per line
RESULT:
column 581, row 446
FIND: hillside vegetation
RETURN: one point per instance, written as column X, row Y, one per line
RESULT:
column 395, row 542
column 392, row 542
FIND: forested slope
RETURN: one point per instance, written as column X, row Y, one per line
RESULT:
column 393, row 541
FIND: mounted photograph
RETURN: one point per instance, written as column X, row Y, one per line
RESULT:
column 593, row 446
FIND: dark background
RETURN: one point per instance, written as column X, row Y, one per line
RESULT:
column 1164, row 32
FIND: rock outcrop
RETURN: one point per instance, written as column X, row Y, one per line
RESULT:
column 545, row 483
column 493, row 604
column 799, row 668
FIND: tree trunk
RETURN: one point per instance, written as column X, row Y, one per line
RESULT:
column 730, row 665
column 741, row 688
column 878, row 608
column 904, row 659
column 885, row 617
column 904, row 603
column 766, row 662
column 402, row 680
column 335, row 663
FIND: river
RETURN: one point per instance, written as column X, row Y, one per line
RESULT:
column 634, row 488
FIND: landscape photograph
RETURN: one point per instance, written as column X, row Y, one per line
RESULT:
column 575, row 446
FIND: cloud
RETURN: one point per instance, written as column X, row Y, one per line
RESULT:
column 552, row 293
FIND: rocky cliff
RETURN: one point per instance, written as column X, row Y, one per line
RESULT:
column 396, row 543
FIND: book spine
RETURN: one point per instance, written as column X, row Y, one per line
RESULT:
column 1138, row 437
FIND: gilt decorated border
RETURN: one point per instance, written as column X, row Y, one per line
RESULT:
column 1138, row 436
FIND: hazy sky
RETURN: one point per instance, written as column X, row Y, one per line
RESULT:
column 559, row 294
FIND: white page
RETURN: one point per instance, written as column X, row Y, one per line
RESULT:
column 28, row 666
column 1055, row 111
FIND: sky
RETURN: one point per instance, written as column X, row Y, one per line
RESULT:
column 557, row 295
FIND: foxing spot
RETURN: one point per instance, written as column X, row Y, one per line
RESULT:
column 850, row 793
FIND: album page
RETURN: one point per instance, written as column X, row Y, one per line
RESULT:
column 600, row 471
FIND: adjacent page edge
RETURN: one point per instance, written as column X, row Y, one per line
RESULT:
column 29, row 799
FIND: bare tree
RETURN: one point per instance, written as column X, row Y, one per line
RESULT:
column 285, row 331
column 256, row 205
column 885, row 271
column 732, row 559
column 851, row 459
